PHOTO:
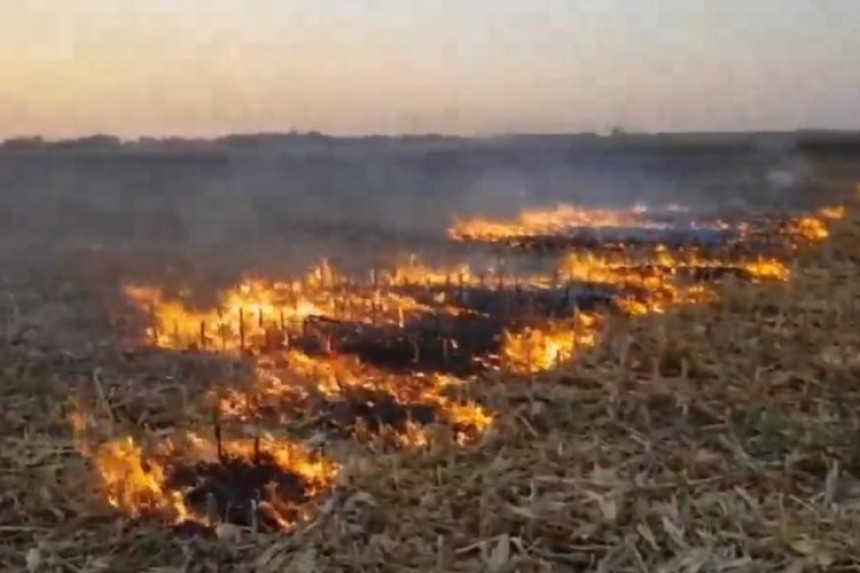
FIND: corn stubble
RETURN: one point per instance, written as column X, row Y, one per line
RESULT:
column 718, row 436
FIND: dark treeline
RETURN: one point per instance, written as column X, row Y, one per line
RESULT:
column 310, row 141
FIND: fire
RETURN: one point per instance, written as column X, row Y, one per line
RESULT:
column 256, row 311
column 469, row 415
column 143, row 480
column 262, row 314
column 132, row 482
column 565, row 218
column 832, row 213
column 808, row 229
column 644, row 284
column 242, row 313
column 416, row 273
column 660, row 280
column 300, row 330
column 813, row 228
column 546, row 222
column 768, row 269
column 327, row 373
column 624, row 268
column 133, row 485
column 649, row 284
column 533, row 350
column 337, row 377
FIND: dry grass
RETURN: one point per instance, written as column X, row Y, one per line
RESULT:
column 719, row 438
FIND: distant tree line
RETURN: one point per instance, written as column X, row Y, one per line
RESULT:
column 802, row 140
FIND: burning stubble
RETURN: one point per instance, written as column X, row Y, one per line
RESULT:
column 390, row 350
column 187, row 478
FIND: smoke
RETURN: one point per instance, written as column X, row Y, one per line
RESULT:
column 279, row 209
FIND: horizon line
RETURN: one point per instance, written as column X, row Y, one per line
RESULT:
column 615, row 132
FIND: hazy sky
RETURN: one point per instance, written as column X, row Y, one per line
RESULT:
column 202, row 67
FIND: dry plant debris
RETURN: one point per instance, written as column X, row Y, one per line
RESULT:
column 718, row 436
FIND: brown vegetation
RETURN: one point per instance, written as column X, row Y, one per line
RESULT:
column 718, row 437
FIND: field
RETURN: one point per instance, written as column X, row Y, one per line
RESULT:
column 566, row 389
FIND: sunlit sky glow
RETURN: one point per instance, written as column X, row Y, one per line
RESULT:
column 205, row 67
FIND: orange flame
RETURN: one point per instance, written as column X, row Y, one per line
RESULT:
column 560, row 219
column 135, row 473
column 533, row 350
column 135, row 479
column 334, row 375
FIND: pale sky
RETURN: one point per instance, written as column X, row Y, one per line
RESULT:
column 207, row 67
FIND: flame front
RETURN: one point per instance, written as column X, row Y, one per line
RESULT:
column 273, row 319
column 564, row 218
column 664, row 279
column 248, row 312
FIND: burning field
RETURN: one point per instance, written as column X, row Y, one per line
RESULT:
column 574, row 389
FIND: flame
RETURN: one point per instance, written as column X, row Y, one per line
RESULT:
column 564, row 218
column 662, row 265
column 135, row 478
column 768, row 269
column 546, row 222
column 415, row 273
column 645, row 285
column 813, row 229
column 131, row 483
column 135, row 472
column 256, row 310
column 533, row 350
column 300, row 375
column 335, row 376
column 833, row 213
column 807, row 229
column 654, row 283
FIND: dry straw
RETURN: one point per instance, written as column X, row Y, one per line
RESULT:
column 715, row 438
